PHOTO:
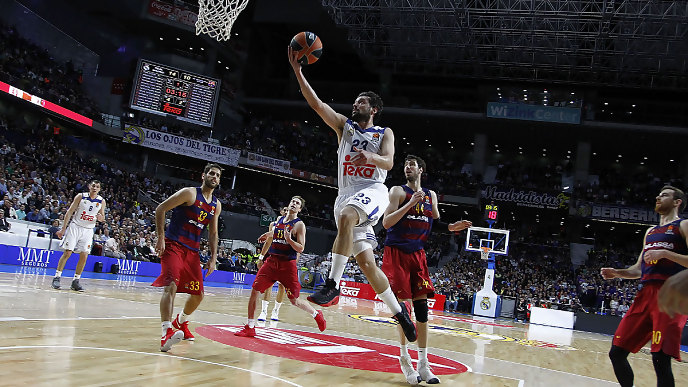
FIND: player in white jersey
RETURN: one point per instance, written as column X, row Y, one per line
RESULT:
column 87, row 208
column 365, row 154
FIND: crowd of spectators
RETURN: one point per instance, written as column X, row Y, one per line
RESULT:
column 32, row 69
column 39, row 175
column 625, row 188
column 533, row 173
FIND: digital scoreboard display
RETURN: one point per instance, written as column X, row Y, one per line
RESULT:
column 168, row 91
column 491, row 213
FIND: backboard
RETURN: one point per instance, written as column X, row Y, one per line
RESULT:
column 496, row 239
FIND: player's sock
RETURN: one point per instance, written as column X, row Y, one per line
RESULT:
column 390, row 300
column 276, row 308
column 264, row 307
column 422, row 353
column 77, row 276
column 182, row 317
column 165, row 326
column 404, row 350
column 58, row 273
column 338, row 265
column 252, row 323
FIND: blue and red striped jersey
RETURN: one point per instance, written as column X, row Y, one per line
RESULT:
column 411, row 232
column 279, row 245
column 667, row 237
column 188, row 222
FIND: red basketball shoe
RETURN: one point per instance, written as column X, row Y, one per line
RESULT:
column 246, row 332
column 171, row 338
column 320, row 319
column 184, row 327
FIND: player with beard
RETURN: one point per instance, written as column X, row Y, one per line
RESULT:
column 664, row 254
column 408, row 220
column 193, row 208
column 365, row 154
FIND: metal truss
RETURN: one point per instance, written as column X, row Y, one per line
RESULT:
column 627, row 42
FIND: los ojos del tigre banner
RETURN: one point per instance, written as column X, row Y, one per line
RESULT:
column 180, row 145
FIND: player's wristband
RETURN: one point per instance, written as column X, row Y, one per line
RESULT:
column 260, row 256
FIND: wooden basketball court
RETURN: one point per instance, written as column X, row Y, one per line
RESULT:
column 109, row 335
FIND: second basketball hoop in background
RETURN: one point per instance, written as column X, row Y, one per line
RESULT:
column 307, row 46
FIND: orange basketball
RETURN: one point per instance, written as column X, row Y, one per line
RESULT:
column 308, row 47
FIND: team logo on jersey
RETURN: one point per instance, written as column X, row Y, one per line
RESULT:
column 367, row 170
column 376, row 137
column 670, row 231
column 350, row 131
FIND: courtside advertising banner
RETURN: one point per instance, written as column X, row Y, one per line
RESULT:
column 48, row 259
column 366, row 292
column 180, row 145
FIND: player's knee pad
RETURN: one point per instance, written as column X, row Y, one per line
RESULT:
column 361, row 246
column 420, row 308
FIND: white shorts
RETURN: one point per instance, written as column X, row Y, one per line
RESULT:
column 370, row 202
column 77, row 239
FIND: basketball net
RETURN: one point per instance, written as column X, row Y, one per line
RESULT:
column 485, row 253
column 216, row 17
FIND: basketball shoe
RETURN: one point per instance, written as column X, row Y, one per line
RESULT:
column 320, row 319
column 76, row 287
column 171, row 338
column 404, row 319
column 246, row 332
column 328, row 295
column 412, row 376
column 426, row 372
column 274, row 316
column 184, row 327
column 56, row 283
column 263, row 316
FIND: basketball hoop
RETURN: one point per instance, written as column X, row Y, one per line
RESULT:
column 216, row 17
column 485, row 253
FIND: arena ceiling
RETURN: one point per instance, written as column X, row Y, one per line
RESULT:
column 627, row 43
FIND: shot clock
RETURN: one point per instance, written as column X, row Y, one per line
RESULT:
column 491, row 213
column 165, row 90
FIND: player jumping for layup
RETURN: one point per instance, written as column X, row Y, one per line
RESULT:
column 664, row 254
column 193, row 208
column 365, row 154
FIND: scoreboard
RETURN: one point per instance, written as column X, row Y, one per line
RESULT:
column 491, row 213
column 169, row 91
